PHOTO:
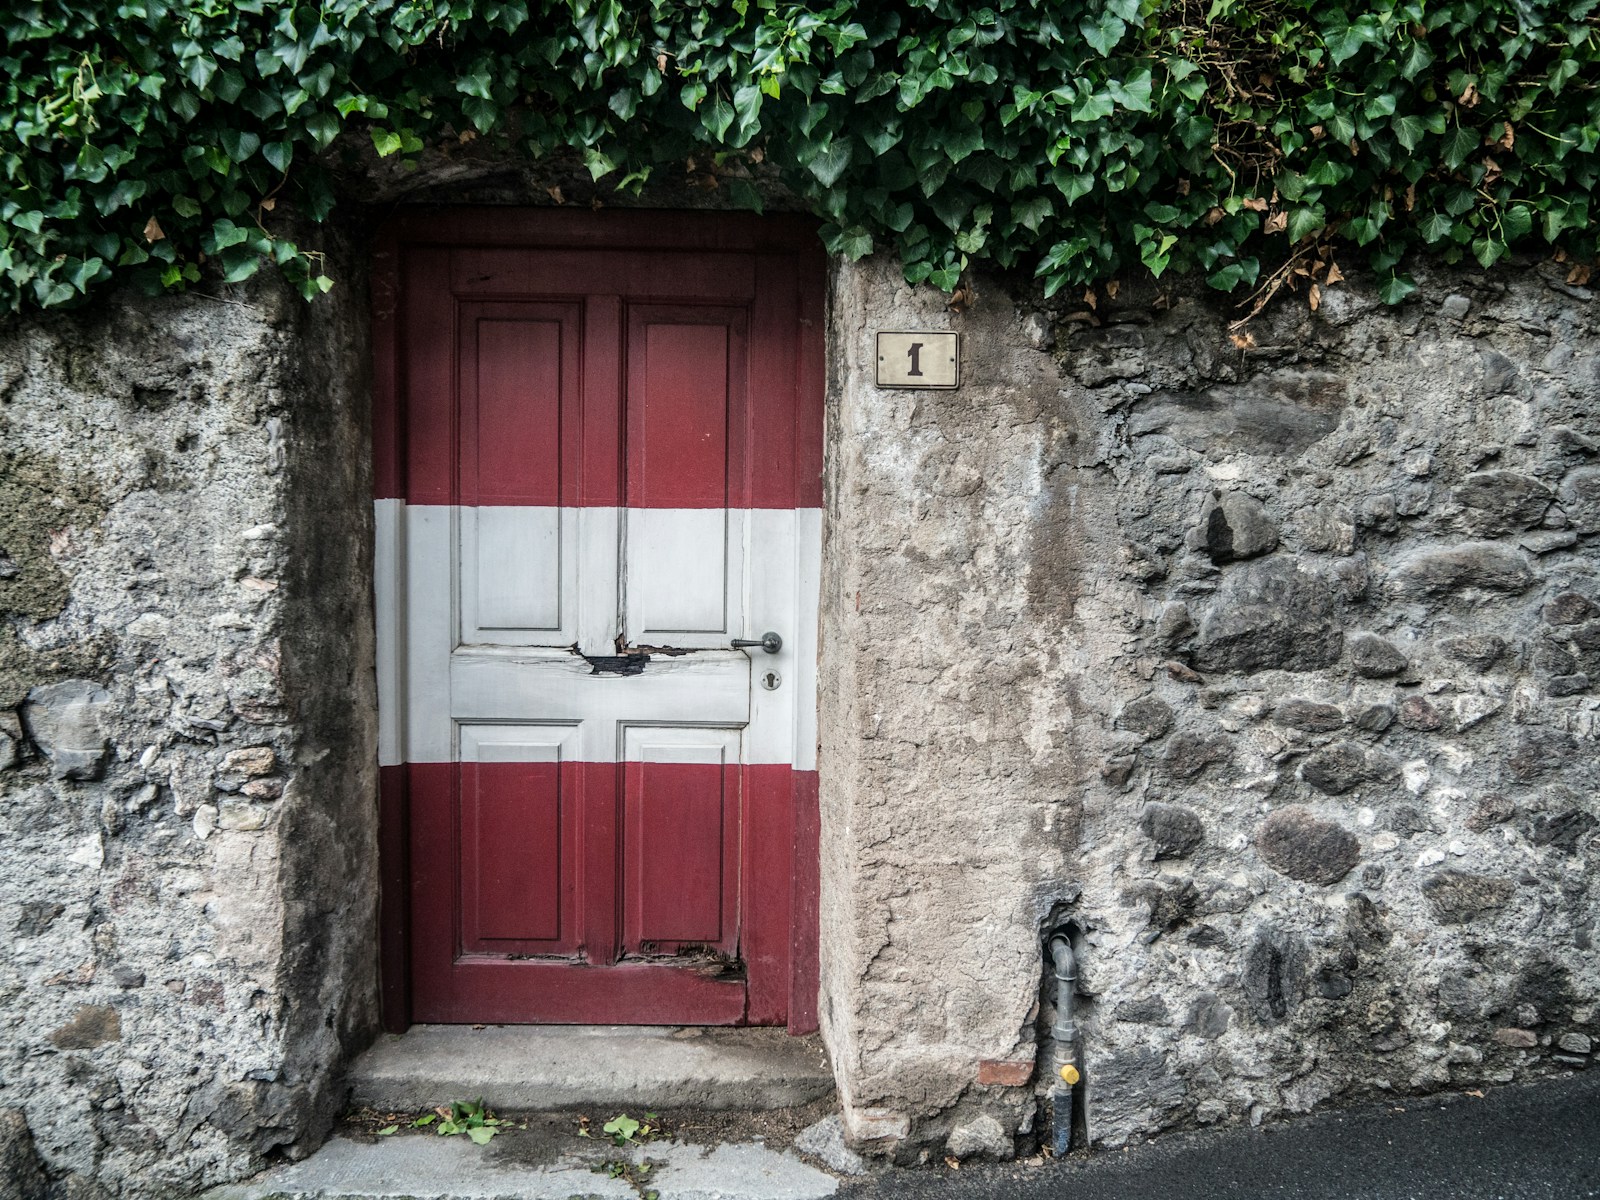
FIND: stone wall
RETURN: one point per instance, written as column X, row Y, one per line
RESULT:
column 1267, row 657
column 187, row 778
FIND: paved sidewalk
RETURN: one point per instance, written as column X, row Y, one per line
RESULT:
column 1536, row 1142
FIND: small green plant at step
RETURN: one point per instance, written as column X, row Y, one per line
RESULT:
column 625, row 1130
column 461, row 1116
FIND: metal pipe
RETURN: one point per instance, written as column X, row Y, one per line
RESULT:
column 1065, row 1035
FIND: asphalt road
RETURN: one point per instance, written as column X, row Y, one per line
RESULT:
column 1536, row 1142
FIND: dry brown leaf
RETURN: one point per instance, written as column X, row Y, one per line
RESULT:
column 1256, row 204
column 1112, row 288
column 1276, row 223
column 153, row 231
column 1491, row 170
column 1580, row 274
column 467, row 135
column 1183, row 187
column 1560, row 255
column 1411, row 197
column 268, row 204
column 1242, row 341
column 1509, row 138
column 1334, row 275
column 661, row 63
column 555, row 194
column 758, row 154
column 952, row 1162
column 1090, row 298
column 1314, row 297
column 1318, row 133
column 1213, row 215
column 961, row 298
column 1355, row 146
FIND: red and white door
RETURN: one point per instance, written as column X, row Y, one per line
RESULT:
column 599, row 458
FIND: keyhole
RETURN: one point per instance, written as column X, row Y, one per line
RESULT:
column 770, row 680
column 915, row 354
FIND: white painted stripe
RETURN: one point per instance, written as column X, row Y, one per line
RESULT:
column 808, row 597
column 430, row 628
column 388, row 586
column 454, row 671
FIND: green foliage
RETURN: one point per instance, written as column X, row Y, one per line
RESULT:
column 625, row 1130
column 460, row 1116
column 153, row 140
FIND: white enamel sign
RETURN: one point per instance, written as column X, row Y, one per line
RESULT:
column 916, row 359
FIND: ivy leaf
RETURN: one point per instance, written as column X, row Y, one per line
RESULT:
column 278, row 155
column 717, row 117
column 1516, row 222
column 1458, row 144
column 830, row 160
column 1103, row 32
column 1408, row 131
column 1488, row 251
column 239, row 263
column 1395, row 288
column 1134, row 94
column 239, row 143
column 1435, row 227
column 1032, row 212
column 1304, row 220
column 1418, row 58
column 323, row 128
column 384, row 141
column 1346, row 42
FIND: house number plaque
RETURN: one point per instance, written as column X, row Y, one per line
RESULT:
column 919, row 360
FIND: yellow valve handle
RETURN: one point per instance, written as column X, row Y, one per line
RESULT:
column 1070, row 1074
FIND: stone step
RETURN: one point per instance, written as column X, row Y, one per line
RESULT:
column 417, row 1166
column 545, row 1067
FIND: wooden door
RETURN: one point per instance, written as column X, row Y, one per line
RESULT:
column 599, row 459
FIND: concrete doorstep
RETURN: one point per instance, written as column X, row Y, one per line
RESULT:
column 544, row 1067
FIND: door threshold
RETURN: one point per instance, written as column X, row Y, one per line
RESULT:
column 538, row 1067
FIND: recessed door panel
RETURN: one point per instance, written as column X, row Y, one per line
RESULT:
column 520, row 839
column 684, row 579
column 680, row 841
column 518, row 575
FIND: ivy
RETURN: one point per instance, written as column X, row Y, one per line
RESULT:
column 162, row 142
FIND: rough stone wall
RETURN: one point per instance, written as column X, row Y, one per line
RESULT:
column 1268, row 659
column 187, row 788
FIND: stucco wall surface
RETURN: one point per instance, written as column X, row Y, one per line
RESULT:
column 1268, row 657
column 187, row 791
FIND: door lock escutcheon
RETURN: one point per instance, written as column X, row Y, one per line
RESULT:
column 769, row 641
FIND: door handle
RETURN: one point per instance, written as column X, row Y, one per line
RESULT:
column 769, row 641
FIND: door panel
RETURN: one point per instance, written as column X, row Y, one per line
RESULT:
column 520, row 840
column 518, row 575
column 684, row 576
column 600, row 799
column 519, row 405
column 680, row 841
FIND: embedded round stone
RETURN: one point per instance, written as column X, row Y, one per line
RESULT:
column 1304, row 847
